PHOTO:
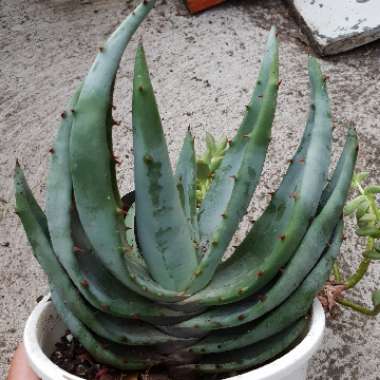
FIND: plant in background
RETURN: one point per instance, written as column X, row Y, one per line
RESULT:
column 367, row 212
column 139, row 280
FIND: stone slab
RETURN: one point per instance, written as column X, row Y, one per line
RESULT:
column 335, row 26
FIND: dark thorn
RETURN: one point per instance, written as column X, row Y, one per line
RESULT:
column 290, row 161
column 84, row 283
column 5, row 244
column 282, row 237
column 259, row 274
column 39, row 299
column 51, row 150
column 325, row 78
column 261, row 297
column 101, row 49
column 279, row 83
column 73, row 111
column 116, row 160
column 271, row 193
column 121, row 211
column 312, row 106
column 63, row 115
column 77, row 249
column 241, row 317
column 141, row 88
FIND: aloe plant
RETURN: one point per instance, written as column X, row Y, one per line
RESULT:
column 139, row 279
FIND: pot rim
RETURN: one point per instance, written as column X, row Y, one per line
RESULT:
column 288, row 363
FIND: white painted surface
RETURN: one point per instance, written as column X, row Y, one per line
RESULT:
column 338, row 25
column 44, row 328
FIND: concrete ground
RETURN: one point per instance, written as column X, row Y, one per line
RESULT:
column 203, row 69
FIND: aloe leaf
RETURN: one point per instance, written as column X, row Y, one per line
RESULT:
column 249, row 356
column 274, row 238
column 162, row 227
column 97, row 197
column 118, row 330
column 293, row 308
column 98, row 287
column 237, row 176
column 203, row 170
column 210, row 142
column 59, row 212
column 186, row 176
column 305, row 257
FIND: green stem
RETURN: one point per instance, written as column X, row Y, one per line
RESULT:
column 337, row 274
column 359, row 308
column 363, row 266
column 359, row 274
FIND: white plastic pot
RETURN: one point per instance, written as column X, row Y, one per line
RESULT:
column 44, row 328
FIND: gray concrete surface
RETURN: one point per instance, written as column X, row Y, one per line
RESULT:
column 203, row 71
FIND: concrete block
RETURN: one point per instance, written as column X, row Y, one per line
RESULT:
column 335, row 26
